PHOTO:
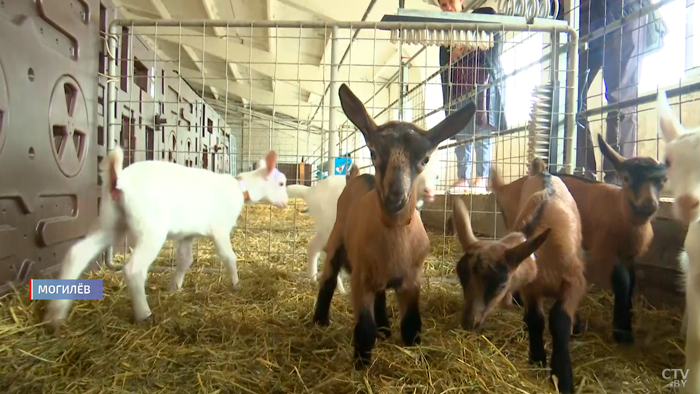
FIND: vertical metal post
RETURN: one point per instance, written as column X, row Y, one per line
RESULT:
column 332, row 122
column 689, row 32
column 402, row 77
column 558, row 127
column 111, row 107
column 571, row 108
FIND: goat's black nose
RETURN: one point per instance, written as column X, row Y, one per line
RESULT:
column 396, row 191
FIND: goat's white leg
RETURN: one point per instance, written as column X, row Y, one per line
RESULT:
column 314, row 250
column 136, row 271
column 222, row 241
column 341, row 288
column 74, row 263
column 183, row 263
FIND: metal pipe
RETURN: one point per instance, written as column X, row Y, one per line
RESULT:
column 646, row 99
column 357, row 32
column 386, row 85
column 571, row 105
column 110, row 108
column 539, row 25
column 332, row 122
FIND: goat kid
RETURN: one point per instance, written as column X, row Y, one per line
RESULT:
column 322, row 200
column 557, row 272
column 683, row 172
column 378, row 236
column 152, row 201
column 616, row 226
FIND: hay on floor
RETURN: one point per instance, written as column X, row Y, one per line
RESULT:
column 258, row 339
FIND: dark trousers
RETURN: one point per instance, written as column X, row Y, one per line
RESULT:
column 618, row 56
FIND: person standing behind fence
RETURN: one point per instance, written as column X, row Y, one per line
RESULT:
column 619, row 54
column 469, row 71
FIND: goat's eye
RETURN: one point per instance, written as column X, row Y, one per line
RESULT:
column 281, row 184
column 425, row 161
column 625, row 179
column 372, row 155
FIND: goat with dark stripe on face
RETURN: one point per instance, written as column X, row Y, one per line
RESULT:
column 378, row 236
column 616, row 226
column 490, row 271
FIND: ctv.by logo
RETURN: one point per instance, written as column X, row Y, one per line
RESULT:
column 677, row 376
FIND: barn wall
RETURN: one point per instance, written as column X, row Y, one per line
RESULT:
column 53, row 128
column 255, row 138
column 190, row 132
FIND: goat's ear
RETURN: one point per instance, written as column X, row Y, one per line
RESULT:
column 451, row 125
column 356, row 111
column 462, row 224
column 669, row 125
column 609, row 153
column 517, row 254
column 270, row 161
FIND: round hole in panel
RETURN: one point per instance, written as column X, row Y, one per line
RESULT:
column 31, row 152
column 30, row 74
column 68, row 126
column 4, row 109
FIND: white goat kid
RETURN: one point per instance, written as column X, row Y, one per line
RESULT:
column 683, row 173
column 151, row 201
column 322, row 201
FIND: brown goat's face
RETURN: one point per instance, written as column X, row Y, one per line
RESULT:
column 488, row 270
column 642, row 180
column 399, row 150
column 399, row 154
column 486, row 278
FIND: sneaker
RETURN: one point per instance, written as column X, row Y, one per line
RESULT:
column 460, row 187
column 461, row 183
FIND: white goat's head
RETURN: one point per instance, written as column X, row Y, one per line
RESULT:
column 427, row 181
column 682, row 162
column 273, row 188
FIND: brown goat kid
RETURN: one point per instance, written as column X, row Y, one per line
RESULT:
column 378, row 236
column 556, row 272
column 616, row 226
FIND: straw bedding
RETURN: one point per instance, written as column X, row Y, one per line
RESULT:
column 258, row 339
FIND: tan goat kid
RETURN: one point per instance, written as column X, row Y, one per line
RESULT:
column 378, row 236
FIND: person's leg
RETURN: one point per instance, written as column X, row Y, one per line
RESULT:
column 482, row 154
column 589, row 63
column 621, row 75
column 461, row 154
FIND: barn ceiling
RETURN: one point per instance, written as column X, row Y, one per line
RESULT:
column 218, row 62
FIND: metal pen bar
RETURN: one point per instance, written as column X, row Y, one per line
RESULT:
column 518, row 24
column 646, row 99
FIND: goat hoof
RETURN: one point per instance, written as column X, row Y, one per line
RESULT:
column 539, row 360
column 323, row 322
column 565, row 387
column 146, row 321
column 362, row 362
column 623, row 337
column 53, row 326
column 578, row 328
column 385, row 332
column 173, row 288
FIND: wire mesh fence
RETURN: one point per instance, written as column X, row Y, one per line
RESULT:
column 219, row 96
